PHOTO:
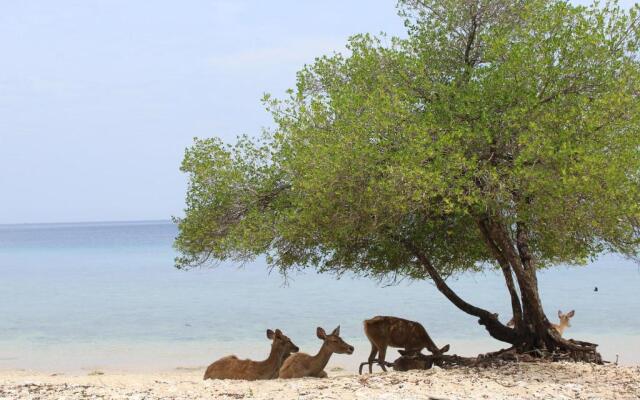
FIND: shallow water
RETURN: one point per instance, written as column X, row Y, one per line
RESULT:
column 106, row 295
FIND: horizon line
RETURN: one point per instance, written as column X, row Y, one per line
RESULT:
column 86, row 222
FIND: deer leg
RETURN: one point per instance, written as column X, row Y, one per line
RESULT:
column 370, row 360
column 381, row 355
column 372, row 357
column 362, row 365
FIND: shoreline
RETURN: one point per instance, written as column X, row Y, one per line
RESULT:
column 512, row 381
column 166, row 356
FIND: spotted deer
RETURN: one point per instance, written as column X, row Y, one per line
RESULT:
column 301, row 364
column 385, row 332
column 231, row 367
column 560, row 327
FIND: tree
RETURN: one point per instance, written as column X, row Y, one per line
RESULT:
column 497, row 134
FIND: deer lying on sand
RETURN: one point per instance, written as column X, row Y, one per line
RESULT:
column 231, row 367
column 411, row 359
column 408, row 360
column 385, row 332
column 300, row 365
column 564, row 321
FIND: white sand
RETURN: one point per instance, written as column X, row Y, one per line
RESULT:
column 516, row 381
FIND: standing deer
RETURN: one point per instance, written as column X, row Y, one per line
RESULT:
column 564, row 321
column 231, row 367
column 300, row 365
column 383, row 332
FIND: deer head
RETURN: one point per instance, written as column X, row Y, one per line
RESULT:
column 282, row 342
column 564, row 318
column 334, row 342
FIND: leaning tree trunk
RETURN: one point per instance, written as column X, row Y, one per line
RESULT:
column 532, row 333
column 535, row 332
column 536, row 335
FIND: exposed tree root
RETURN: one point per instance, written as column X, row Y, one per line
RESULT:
column 566, row 350
column 574, row 350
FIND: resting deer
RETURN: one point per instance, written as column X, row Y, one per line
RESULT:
column 411, row 359
column 231, row 367
column 385, row 332
column 300, row 365
column 564, row 321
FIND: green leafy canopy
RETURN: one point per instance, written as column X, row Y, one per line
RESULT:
column 527, row 111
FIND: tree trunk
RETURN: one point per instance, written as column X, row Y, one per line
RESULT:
column 535, row 332
column 532, row 333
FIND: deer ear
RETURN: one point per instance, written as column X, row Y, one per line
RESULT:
column 336, row 331
column 571, row 313
column 559, row 314
column 321, row 333
column 270, row 334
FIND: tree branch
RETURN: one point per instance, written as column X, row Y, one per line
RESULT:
column 486, row 318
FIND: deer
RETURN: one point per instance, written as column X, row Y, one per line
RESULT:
column 560, row 327
column 411, row 359
column 300, row 365
column 564, row 321
column 231, row 367
column 383, row 332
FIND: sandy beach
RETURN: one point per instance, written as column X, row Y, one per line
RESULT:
column 516, row 381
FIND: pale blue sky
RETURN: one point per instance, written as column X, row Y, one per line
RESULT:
column 99, row 98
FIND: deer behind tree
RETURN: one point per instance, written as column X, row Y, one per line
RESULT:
column 564, row 321
column 231, row 367
column 385, row 332
column 559, row 327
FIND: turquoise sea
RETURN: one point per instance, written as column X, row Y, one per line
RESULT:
column 87, row 296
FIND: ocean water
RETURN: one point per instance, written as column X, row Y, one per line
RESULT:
column 77, row 297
